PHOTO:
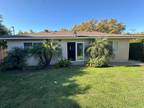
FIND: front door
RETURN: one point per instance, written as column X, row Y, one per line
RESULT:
column 71, row 51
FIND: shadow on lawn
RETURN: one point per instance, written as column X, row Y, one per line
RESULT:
column 46, row 89
column 66, row 87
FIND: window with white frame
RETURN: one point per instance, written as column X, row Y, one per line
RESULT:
column 38, row 43
column 28, row 45
column 115, row 45
column 75, row 51
column 80, row 51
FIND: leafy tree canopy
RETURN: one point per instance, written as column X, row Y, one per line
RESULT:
column 3, row 29
column 85, row 26
column 104, row 26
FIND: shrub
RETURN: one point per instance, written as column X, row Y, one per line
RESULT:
column 16, row 59
column 46, row 51
column 3, row 44
column 97, row 62
column 63, row 63
column 99, row 52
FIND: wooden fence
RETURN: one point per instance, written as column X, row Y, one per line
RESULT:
column 3, row 53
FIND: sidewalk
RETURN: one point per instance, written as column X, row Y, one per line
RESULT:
column 129, row 63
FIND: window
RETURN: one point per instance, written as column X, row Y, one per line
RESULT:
column 111, row 44
column 80, row 51
column 27, row 45
column 36, row 44
column 115, row 45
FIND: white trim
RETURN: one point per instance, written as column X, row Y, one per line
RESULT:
column 76, row 51
column 115, row 45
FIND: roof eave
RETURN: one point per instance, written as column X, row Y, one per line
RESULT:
column 68, row 37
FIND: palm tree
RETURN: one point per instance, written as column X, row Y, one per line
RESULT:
column 46, row 51
column 99, row 51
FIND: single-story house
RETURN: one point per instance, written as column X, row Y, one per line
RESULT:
column 72, row 44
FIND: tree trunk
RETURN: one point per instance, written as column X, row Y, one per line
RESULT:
column 47, row 59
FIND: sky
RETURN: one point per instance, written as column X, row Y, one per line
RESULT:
column 55, row 14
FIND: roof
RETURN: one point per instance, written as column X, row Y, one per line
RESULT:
column 69, row 35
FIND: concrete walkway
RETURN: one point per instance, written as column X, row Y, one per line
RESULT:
column 129, row 63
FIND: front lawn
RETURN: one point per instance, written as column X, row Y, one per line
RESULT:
column 75, row 87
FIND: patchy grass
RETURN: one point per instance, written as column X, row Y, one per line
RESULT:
column 113, row 87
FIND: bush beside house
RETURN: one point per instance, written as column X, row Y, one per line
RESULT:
column 15, row 59
column 100, row 52
column 46, row 51
column 63, row 63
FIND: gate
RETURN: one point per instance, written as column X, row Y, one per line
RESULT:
column 136, row 51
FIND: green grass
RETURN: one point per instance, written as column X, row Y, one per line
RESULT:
column 75, row 87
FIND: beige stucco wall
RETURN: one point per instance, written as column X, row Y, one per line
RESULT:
column 121, row 54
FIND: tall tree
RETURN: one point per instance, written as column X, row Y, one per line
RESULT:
column 105, row 26
column 85, row 26
column 110, row 26
column 3, row 29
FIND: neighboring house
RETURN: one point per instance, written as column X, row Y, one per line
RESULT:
column 72, row 45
